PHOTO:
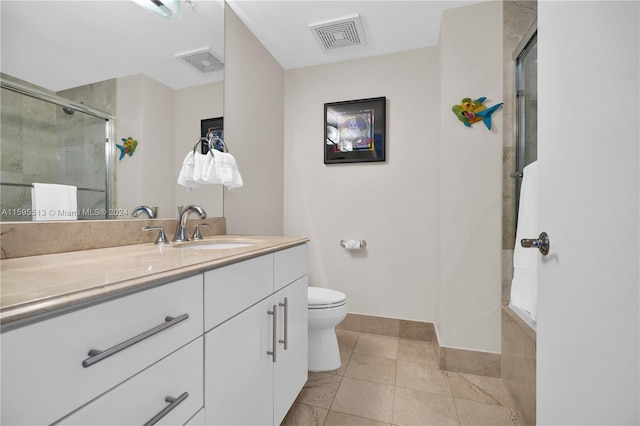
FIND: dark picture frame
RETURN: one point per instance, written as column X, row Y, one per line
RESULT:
column 355, row 131
column 210, row 127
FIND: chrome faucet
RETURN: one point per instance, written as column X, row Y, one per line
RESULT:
column 181, row 228
column 151, row 212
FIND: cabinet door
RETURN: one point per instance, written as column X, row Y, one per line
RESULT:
column 290, row 373
column 238, row 370
column 139, row 399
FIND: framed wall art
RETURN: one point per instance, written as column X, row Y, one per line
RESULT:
column 354, row 131
column 213, row 130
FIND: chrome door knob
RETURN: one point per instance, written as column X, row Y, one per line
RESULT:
column 542, row 243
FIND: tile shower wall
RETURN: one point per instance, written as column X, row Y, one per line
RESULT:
column 41, row 143
column 517, row 18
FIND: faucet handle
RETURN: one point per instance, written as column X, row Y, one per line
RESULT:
column 196, row 233
column 162, row 237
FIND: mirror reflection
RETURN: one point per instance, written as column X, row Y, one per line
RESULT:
column 127, row 64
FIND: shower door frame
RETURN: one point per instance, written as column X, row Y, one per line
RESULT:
column 529, row 40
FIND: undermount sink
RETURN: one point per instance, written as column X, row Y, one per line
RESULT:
column 219, row 245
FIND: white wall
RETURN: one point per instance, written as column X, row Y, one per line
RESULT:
column 469, row 183
column 146, row 113
column 254, row 126
column 391, row 205
column 192, row 105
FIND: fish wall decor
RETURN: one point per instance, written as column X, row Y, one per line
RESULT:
column 471, row 111
column 128, row 147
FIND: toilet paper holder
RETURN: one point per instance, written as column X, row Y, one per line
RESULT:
column 353, row 244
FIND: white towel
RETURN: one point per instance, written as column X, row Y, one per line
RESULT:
column 186, row 177
column 54, row 202
column 524, row 286
column 213, row 168
column 227, row 170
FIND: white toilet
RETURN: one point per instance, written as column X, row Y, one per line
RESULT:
column 326, row 309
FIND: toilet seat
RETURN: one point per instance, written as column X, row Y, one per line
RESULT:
column 324, row 298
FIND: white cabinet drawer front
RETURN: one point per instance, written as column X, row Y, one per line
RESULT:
column 42, row 363
column 232, row 289
column 139, row 399
column 289, row 265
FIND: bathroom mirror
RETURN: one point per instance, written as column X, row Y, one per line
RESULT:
column 82, row 50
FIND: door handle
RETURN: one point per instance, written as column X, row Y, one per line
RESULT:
column 541, row 243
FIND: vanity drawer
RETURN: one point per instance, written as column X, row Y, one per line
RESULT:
column 289, row 265
column 42, row 363
column 233, row 288
column 139, row 399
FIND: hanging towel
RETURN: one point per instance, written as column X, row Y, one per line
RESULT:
column 227, row 170
column 524, row 286
column 213, row 168
column 54, row 202
column 186, row 176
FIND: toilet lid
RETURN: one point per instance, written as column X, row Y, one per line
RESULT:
column 325, row 298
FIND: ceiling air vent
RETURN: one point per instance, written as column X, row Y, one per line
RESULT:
column 338, row 34
column 204, row 60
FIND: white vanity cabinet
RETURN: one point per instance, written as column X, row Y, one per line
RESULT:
column 47, row 371
column 250, row 378
column 225, row 346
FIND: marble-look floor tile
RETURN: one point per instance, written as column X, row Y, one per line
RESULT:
column 417, row 351
column 376, row 345
column 319, row 390
column 489, row 390
column 413, row 407
column 302, row 414
column 364, row 399
column 478, row 413
column 372, row 368
column 340, row 419
column 423, row 377
column 347, row 340
column 344, row 361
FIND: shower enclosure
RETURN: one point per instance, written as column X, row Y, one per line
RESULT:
column 45, row 138
column 526, row 57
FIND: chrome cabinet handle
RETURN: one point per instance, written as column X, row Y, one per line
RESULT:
column 96, row 355
column 541, row 243
column 173, row 403
column 286, row 322
column 274, row 342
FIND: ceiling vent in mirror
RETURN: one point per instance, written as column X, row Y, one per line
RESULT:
column 203, row 59
column 340, row 33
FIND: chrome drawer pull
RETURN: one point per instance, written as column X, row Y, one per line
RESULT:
column 274, row 342
column 96, row 355
column 173, row 403
column 285, row 341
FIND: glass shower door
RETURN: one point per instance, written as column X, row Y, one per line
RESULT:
column 526, row 108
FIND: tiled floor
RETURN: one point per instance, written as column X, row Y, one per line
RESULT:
column 394, row 381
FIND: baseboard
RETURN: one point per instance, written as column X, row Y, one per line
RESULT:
column 450, row 359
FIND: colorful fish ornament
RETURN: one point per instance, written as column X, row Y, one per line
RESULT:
column 128, row 147
column 471, row 111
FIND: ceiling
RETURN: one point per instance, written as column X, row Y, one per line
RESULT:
column 389, row 26
column 63, row 44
